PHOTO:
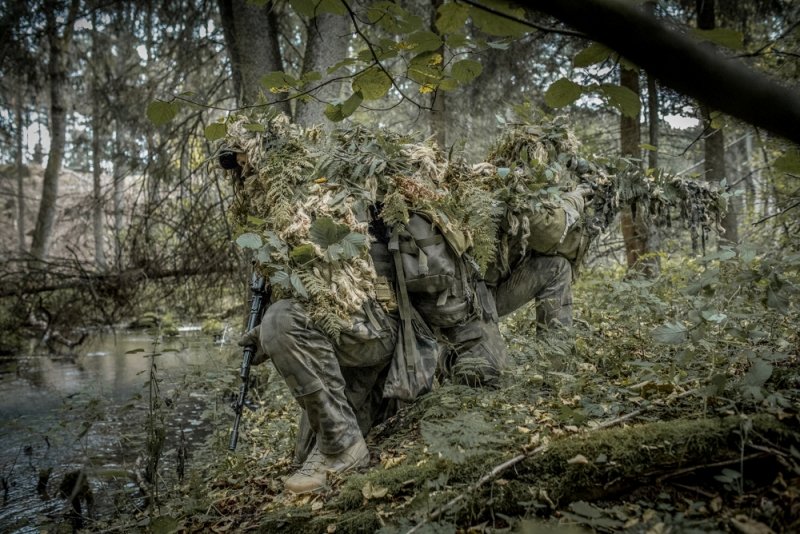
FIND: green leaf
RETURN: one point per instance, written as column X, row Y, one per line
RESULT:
column 325, row 232
column 713, row 316
column 298, row 286
column 312, row 8
column 722, row 36
column 264, row 254
column 373, row 83
column 622, row 98
column 255, row 127
column 451, row 18
column 351, row 243
column 497, row 24
column 670, row 334
column 422, row 71
column 585, row 509
column 215, row 131
column 160, row 112
column 346, row 62
column 249, row 240
column 339, row 112
column 758, row 374
column 647, row 146
column 466, row 70
column 789, row 161
column 280, row 279
column 279, row 82
column 425, row 41
column 591, row 55
column 393, row 18
column 312, row 76
column 303, row 253
column 163, row 524
column 562, row 92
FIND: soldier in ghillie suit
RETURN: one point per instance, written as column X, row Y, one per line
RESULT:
column 371, row 255
column 389, row 263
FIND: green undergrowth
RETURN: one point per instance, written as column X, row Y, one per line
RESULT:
column 695, row 373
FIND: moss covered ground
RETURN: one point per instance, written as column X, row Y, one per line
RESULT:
column 674, row 411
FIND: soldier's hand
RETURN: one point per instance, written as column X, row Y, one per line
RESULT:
column 252, row 339
column 585, row 190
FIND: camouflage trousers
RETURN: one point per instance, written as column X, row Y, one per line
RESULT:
column 333, row 381
column 545, row 279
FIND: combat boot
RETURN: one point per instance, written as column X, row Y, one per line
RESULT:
column 313, row 475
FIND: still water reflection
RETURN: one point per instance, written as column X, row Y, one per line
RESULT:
column 87, row 411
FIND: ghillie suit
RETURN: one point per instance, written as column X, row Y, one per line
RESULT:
column 371, row 238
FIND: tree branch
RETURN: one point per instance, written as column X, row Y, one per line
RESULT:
column 681, row 62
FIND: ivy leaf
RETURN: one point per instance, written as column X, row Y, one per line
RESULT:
column 425, row 41
column 215, row 131
column 160, row 112
column 622, row 98
column 466, row 70
column 591, row 55
column 562, row 92
column 373, row 83
column 324, row 232
column 298, row 286
column 670, row 334
column 451, row 18
column 249, row 240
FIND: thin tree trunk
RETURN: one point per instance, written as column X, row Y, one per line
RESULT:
column 97, row 197
column 57, row 74
column 438, row 105
column 119, row 182
column 715, row 140
column 328, row 37
column 21, row 171
column 634, row 224
column 652, row 106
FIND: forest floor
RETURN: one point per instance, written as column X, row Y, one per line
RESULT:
column 674, row 411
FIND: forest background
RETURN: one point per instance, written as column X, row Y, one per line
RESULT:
column 113, row 207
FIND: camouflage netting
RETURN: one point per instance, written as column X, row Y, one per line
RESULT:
column 306, row 200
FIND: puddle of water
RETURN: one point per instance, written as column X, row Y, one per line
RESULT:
column 88, row 412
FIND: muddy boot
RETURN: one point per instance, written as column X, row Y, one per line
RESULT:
column 313, row 475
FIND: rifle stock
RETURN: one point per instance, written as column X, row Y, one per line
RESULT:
column 258, row 301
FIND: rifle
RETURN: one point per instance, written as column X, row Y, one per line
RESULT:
column 260, row 296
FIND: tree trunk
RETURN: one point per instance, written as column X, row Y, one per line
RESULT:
column 652, row 106
column 97, row 193
column 251, row 37
column 635, row 228
column 438, row 107
column 57, row 74
column 328, row 37
column 714, row 145
column 119, row 182
column 20, row 170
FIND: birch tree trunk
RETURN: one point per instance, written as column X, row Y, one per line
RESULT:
column 97, row 192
